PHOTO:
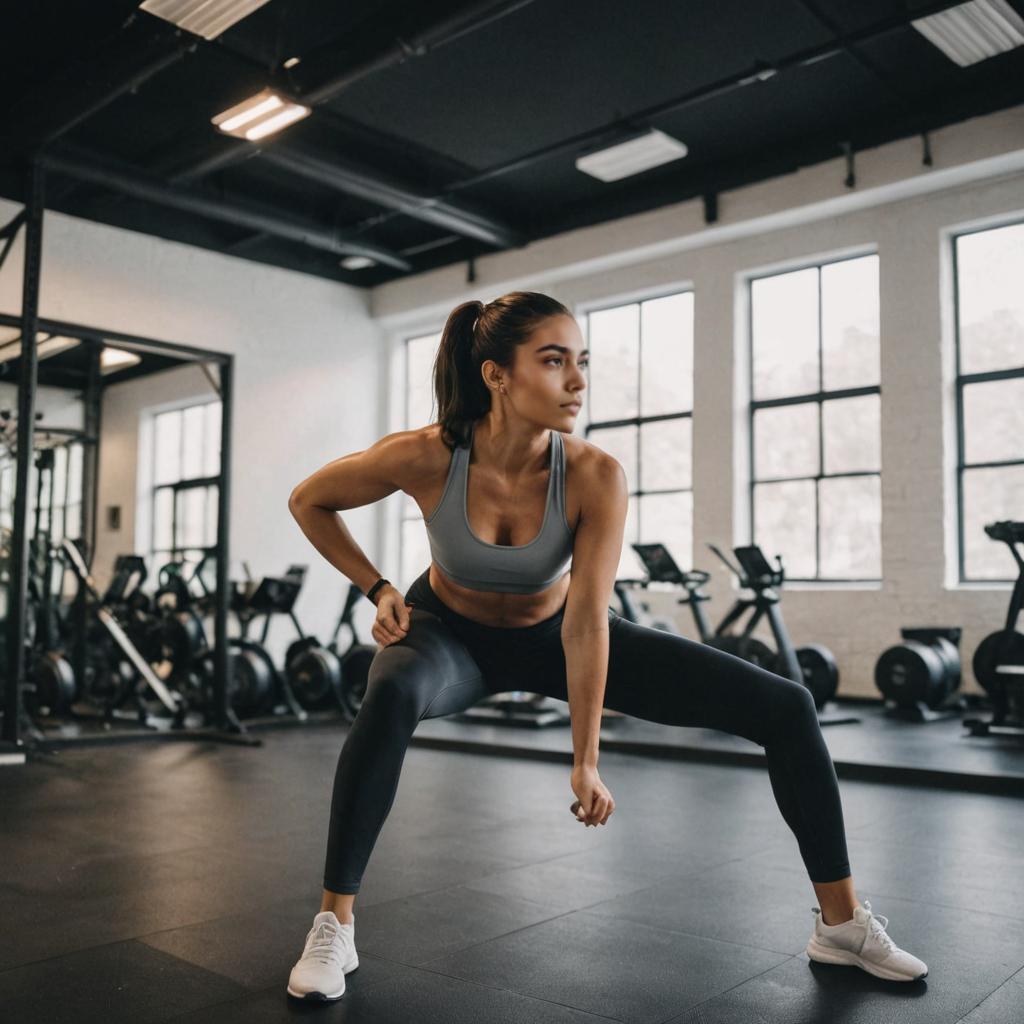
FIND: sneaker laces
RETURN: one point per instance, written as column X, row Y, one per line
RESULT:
column 876, row 927
column 320, row 944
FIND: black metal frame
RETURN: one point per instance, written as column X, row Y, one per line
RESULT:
column 820, row 396
column 964, row 380
column 29, row 322
column 639, row 420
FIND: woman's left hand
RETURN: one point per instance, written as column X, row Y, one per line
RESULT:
column 596, row 803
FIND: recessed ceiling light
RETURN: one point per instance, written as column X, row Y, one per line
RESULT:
column 974, row 31
column 112, row 359
column 357, row 262
column 206, row 18
column 259, row 116
column 651, row 149
column 291, row 62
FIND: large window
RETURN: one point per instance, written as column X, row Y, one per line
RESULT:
column 639, row 408
column 186, row 461
column 414, row 548
column 989, row 270
column 61, row 488
column 815, row 420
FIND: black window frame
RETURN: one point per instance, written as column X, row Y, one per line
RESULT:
column 820, row 397
column 962, row 380
column 639, row 420
column 161, row 556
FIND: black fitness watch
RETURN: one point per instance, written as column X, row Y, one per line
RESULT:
column 373, row 590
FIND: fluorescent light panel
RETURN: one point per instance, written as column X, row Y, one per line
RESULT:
column 357, row 262
column 258, row 116
column 626, row 158
column 206, row 18
column 112, row 359
column 974, row 31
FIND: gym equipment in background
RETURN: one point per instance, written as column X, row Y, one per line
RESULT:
column 919, row 677
column 655, row 558
column 813, row 664
column 313, row 671
column 172, row 701
column 354, row 660
column 999, row 659
column 662, row 568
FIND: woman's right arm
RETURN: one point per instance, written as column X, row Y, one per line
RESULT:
column 352, row 481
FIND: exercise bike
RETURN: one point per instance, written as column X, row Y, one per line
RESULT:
column 813, row 664
column 999, row 660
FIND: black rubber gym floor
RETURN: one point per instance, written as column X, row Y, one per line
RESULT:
column 176, row 881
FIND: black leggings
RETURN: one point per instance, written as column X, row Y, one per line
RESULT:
column 447, row 663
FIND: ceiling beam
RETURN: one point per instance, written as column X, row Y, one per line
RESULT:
column 344, row 176
column 115, row 175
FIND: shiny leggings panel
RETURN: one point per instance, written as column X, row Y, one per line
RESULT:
column 447, row 663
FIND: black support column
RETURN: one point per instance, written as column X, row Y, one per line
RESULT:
column 18, row 585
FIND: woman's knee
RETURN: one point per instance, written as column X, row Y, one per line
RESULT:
column 792, row 705
column 395, row 691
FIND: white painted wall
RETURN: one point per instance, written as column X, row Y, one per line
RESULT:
column 900, row 209
column 307, row 382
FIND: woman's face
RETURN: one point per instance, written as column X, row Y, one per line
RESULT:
column 549, row 373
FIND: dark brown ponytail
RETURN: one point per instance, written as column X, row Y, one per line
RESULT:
column 474, row 333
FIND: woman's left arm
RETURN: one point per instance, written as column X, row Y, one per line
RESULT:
column 597, row 547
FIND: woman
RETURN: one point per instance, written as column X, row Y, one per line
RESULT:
column 496, row 611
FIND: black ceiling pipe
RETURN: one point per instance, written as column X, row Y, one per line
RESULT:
column 246, row 215
column 367, row 184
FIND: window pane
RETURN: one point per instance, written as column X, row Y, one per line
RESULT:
column 665, row 454
column 192, row 449
column 852, row 434
column 191, row 517
column 784, row 525
column 210, row 536
column 851, row 527
column 630, row 566
column 784, row 318
column 990, row 268
column 60, row 474
column 786, row 441
column 613, row 340
column 849, row 323
column 211, row 461
column 168, row 448
column 666, row 359
column 420, row 354
column 619, row 442
column 415, row 551
column 994, row 420
column 75, row 476
column 990, row 495
column 162, row 539
column 73, row 521
column 668, row 519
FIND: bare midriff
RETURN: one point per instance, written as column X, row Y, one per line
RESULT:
column 489, row 608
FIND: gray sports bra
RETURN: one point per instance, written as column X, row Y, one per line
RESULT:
column 513, row 569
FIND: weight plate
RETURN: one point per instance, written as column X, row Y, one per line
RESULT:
column 820, row 672
column 355, row 671
column 315, row 677
column 1001, row 650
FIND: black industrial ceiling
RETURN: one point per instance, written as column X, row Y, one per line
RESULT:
column 444, row 131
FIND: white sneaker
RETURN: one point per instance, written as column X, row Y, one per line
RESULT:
column 863, row 942
column 330, row 954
